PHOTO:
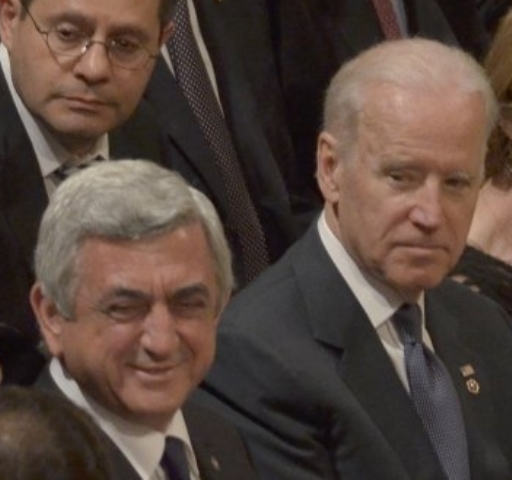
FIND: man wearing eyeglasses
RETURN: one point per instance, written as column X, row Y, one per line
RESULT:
column 72, row 74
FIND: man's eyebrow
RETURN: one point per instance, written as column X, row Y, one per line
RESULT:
column 88, row 23
column 120, row 30
column 123, row 293
column 191, row 290
column 71, row 17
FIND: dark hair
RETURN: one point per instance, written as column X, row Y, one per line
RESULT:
column 165, row 9
column 45, row 437
column 20, row 360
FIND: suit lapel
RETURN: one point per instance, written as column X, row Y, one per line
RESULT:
column 182, row 129
column 445, row 331
column 23, row 197
column 122, row 469
column 339, row 322
column 359, row 26
column 427, row 20
column 211, row 454
column 238, row 100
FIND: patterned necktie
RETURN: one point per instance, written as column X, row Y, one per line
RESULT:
column 387, row 19
column 174, row 461
column 193, row 79
column 433, row 395
column 66, row 170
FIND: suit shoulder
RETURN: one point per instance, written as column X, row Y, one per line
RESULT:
column 140, row 136
column 483, row 322
column 459, row 296
column 269, row 293
column 198, row 415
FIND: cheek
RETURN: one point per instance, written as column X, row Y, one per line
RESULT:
column 201, row 342
column 130, row 89
column 458, row 221
column 98, row 344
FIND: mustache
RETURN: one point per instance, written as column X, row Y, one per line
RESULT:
column 145, row 360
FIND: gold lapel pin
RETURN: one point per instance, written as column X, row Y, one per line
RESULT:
column 467, row 370
column 473, row 386
column 468, row 373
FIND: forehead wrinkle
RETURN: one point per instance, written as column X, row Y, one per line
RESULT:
column 124, row 292
column 90, row 22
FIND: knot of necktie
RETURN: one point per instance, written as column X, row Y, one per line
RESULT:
column 407, row 321
column 67, row 170
column 174, row 460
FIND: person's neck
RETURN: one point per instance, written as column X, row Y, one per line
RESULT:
column 77, row 149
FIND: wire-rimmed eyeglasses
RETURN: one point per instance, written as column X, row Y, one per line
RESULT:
column 69, row 41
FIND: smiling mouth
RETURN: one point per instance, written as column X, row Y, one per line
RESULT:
column 157, row 372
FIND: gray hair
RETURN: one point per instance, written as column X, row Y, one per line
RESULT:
column 410, row 64
column 125, row 200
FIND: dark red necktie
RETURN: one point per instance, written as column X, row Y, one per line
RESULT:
column 387, row 19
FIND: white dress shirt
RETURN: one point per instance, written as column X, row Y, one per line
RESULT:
column 377, row 300
column 142, row 446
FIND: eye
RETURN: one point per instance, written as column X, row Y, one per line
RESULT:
column 192, row 308
column 191, row 305
column 397, row 176
column 124, row 46
column 125, row 312
column 402, row 178
column 67, row 34
column 458, row 183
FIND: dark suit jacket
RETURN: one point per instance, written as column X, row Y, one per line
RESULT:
column 219, row 449
column 239, row 48
column 302, row 371
column 23, row 200
column 313, row 38
column 467, row 25
column 491, row 12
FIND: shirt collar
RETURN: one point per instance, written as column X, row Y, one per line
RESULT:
column 379, row 301
column 141, row 445
column 50, row 154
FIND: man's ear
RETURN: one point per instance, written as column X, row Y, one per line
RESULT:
column 328, row 165
column 48, row 317
column 223, row 302
column 9, row 16
column 167, row 32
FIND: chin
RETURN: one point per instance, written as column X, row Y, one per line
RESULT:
column 415, row 282
column 154, row 420
column 82, row 125
column 149, row 410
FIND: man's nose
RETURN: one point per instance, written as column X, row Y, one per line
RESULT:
column 160, row 335
column 427, row 210
column 94, row 64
